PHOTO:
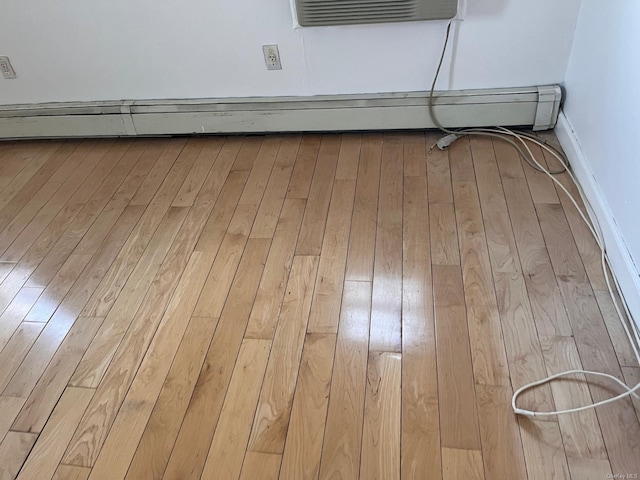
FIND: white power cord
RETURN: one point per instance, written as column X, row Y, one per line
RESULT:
column 519, row 141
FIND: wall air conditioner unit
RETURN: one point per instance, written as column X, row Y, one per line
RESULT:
column 313, row 13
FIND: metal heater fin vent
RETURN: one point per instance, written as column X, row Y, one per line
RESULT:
column 350, row 12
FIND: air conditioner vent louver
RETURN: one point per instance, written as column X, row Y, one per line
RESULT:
column 345, row 12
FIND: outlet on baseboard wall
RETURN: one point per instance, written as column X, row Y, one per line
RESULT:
column 7, row 70
column 271, row 57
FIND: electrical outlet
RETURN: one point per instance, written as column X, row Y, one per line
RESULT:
column 271, row 57
column 7, row 70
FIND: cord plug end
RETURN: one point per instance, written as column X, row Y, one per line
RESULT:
column 444, row 142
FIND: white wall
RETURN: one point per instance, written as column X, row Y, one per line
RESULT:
column 139, row 49
column 602, row 113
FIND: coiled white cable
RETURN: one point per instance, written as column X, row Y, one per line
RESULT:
column 597, row 235
column 519, row 141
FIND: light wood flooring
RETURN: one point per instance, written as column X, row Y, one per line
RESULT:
column 298, row 307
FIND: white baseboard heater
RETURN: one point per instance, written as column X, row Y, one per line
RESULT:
column 534, row 107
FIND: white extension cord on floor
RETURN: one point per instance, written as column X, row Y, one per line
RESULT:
column 519, row 141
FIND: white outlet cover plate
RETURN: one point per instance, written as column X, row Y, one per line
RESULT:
column 7, row 70
column 271, row 57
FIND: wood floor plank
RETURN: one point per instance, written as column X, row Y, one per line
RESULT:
column 502, row 451
column 386, row 305
column 590, row 469
column 53, row 195
column 128, row 426
column 192, row 444
column 439, row 176
column 350, row 147
column 544, row 293
column 66, row 204
column 118, row 319
column 93, row 237
column 586, row 319
column 459, row 463
column 16, row 278
column 44, row 167
column 274, row 407
column 631, row 377
column 5, row 146
column 585, row 242
column 365, row 211
column 230, row 152
column 259, row 176
column 524, row 353
column 250, row 146
column 186, row 196
column 16, row 349
column 154, row 449
column 71, row 472
column 218, row 222
column 581, row 431
column 13, row 452
column 91, row 433
column 487, row 345
column 303, row 447
column 167, row 153
column 49, row 448
column 343, row 431
column 620, row 341
column 66, row 238
column 591, row 338
column 612, row 419
column 226, row 453
column 304, row 166
column 226, row 264
column 438, row 282
column 276, row 190
column 15, row 158
column 126, row 362
column 57, row 290
column 5, row 270
column 509, row 161
column 497, row 224
column 325, row 309
column 420, row 417
column 32, row 146
column 53, row 381
column 564, row 255
column 458, row 412
column 415, row 162
column 381, row 432
column 261, row 465
column 315, row 215
column 214, row 202
column 461, row 163
column 16, row 311
column 444, row 234
column 215, row 290
column 9, row 409
column 66, row 315
column 105, row 295
column 264, row 314
column 543, row 450
column 541, row 186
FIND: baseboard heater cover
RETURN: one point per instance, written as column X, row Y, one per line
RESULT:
column 535, row 107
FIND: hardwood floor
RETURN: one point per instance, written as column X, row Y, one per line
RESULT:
column 299, row 307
